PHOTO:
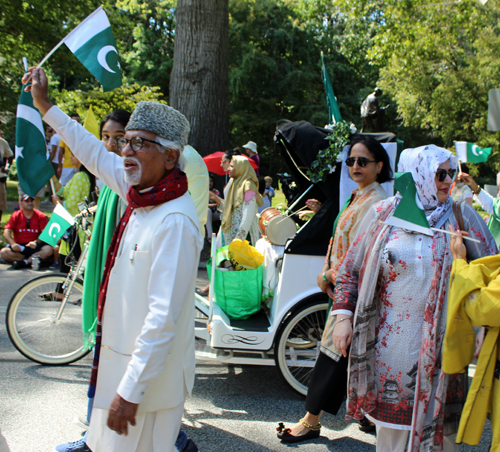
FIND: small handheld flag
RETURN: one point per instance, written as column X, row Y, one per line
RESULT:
column 469, row 152
column 60, row 221
column 33, row 168
column 409, row 214
column 94, row 45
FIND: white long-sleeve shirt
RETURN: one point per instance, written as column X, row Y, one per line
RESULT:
column 175, row 253
column 486, row 201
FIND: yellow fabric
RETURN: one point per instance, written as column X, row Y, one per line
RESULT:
column 474, row 299
column 91, row 124
column 244, row 256
column 244, row 180
column 74, row 192
column 66, row 155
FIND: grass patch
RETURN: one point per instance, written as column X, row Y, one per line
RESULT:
column 279, row 198
column 12, row 193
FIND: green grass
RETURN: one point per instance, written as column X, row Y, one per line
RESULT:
column 279, row 198
column 12, row 194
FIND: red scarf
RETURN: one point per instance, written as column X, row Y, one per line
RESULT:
column 170, row 187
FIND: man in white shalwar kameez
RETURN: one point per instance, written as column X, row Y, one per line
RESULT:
column 145, row 363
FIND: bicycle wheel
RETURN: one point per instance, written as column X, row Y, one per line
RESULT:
column 32, row 325
column 296, row 348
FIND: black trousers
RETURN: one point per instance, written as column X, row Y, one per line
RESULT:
column 327, row 387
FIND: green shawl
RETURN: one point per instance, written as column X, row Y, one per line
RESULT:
column 494, row 221
column 102, row 232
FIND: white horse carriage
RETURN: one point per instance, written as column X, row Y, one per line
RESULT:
column 287, row 331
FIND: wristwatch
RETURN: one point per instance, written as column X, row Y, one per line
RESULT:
column 477, row 190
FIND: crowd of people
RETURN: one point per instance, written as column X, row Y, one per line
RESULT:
column 407, row 312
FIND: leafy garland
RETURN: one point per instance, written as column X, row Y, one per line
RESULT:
column 326, row 159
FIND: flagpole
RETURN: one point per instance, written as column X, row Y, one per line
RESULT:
column 50, row 54
column 456, row 235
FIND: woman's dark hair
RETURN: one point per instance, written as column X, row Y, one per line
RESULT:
column 120, row 116
column 379, row 155
column 231, row 153
column 262, row 185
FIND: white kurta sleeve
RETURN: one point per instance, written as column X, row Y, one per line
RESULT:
column 486, row 201
column 107, row 166
column 175, row 251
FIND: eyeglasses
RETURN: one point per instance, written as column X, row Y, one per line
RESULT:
column 135, row 143
column 28, row 223
column 362, row 161
column 441, row 174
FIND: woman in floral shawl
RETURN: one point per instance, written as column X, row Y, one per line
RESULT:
column 394, row 285
column 369, row 166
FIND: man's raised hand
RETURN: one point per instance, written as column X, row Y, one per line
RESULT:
column 39, row 88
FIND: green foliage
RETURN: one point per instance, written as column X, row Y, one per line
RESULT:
column 13, row 171
column 123, row 98
column 149, row 54
column 326, row 159
column 275, row 67
column 438, row 60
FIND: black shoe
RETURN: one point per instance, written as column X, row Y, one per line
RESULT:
column 200, row 292
column 190, row 446
column 17, row 265
column 285, row 436
column 365, row 425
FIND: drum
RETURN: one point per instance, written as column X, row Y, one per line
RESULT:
column 276, row 227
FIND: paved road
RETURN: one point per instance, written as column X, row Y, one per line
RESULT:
column 233, row 408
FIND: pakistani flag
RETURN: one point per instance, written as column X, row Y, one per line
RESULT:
column 33, row 168
column 60, row 221
column 409, row 213
column 331, row 100
column 94, row 45
column 469, row 152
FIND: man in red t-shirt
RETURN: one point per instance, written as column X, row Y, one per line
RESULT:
column 21, row 233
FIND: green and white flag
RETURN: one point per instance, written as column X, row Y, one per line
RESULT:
column 60, row 221
column 33, row 168
column 94, row 45
column 469, row 152
column 331, row 100
column 409, row 214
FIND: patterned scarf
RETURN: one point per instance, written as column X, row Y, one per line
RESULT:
column 423, row 163
column 170, row 187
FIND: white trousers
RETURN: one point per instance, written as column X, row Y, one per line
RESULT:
column 392, row 440
column 153, row 432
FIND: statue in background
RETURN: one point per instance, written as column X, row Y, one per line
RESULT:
column 372, row 114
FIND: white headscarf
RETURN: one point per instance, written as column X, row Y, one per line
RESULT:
column 422, row 163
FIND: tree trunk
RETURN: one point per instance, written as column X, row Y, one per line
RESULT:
column 199, row 80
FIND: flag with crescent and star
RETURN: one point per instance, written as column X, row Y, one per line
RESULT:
column 409, row 213
column 94, row 45
column 469, row 152
column 33, row 168
column 60, row 221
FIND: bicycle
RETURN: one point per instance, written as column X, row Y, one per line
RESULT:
column 44, row 317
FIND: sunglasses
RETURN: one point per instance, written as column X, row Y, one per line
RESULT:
column 28, row 223
column 362, row 161
column 441, row 174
